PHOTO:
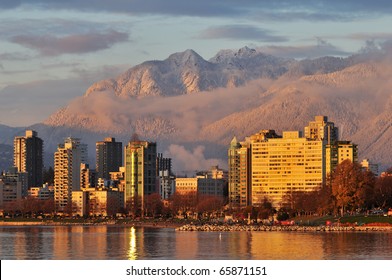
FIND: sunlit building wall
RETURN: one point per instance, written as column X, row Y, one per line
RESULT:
column 88, row 177
column 284, row 165
column 43, row 193
column 79, row 203
column 105, row 202
column 201, row 185
column 67, row 163
column 338, row 152
column 322, row 129
column 140, row 172
column 28, row 157
column 239, row 174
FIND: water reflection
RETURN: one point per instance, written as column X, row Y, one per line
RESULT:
column 117, row 242
column 132, row 245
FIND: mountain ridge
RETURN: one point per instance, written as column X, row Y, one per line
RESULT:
column 185, row 99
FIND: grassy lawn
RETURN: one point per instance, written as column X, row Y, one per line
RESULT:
column 360, row 220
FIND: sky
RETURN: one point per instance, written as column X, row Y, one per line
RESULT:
column 51, row 51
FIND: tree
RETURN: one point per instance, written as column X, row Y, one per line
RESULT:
column 133, row 206
column 153, row 205
column 265, row 210
column 351, row 186
column 209, row 203
column 324, row 199
column 184, row 202
column 383, row 190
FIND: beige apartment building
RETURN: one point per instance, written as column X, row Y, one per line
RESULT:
column 67, row 162
column 284, row 165
column 270, row 166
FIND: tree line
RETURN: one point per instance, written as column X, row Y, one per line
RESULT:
column 349, row 189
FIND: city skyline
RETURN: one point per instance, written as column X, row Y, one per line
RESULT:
column 56, row 50
column 265, row 167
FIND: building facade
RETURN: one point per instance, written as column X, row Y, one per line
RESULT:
column 165, row 177
column 370, row 166
column 108, row 157
column 67, row 163
column 338, row 152
column 88, row 177
column 322, row 129
column 10, row 189
column 239, row 174
column 201, row 185
column 267, row 165
column 284, row 165
column 140, row 173
column 28, row 157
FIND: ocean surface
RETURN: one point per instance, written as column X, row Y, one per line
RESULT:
column 122, row 243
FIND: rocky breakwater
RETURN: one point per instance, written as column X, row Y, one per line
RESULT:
column 210, row 227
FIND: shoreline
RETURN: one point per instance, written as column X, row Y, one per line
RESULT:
column 293, row 228
column 92, row 223
column 178, row 226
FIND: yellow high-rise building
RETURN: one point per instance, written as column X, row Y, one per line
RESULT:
column 281, row 166
column 269, row 166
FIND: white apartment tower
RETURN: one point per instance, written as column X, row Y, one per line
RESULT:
column 67, row 162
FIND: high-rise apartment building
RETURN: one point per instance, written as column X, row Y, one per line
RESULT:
column 284, row 165
column 28, row 157
column 278, row 166
column 239, row 174
column 67, row 165
column 108, row 157
column 165, row 178
column 88, row 177
column 140, row 172
column 322, row 129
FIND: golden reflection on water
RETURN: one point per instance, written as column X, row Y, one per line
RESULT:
column 186, row 244
column 101, row 242
column 132, row 252
column 283, row 246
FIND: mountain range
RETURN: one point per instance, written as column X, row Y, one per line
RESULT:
column 193, row 107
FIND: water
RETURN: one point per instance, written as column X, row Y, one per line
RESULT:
column 121, row 243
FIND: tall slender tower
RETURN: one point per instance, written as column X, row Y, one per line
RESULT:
column 108, row 157
column 239, row 174
column 67, row 162
column 28, row 157
column 140, row 173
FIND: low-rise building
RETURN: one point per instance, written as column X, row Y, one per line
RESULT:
column 10, row 190
column 42, row 193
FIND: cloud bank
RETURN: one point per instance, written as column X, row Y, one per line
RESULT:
column 272, row 10
column 50, row 45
